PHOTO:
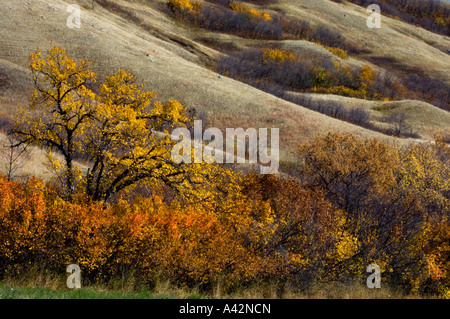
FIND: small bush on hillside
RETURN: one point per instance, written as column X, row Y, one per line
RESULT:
column 251, row 13
column 182, row 5
column 336, row 51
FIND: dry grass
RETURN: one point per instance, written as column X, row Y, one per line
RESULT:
column 335, row 290
column 36, row 279
column 38, row 284
column 33, row 163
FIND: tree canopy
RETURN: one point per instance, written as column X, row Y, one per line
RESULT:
column 121, row 134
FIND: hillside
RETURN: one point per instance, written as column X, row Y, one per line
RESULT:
column 176, row 61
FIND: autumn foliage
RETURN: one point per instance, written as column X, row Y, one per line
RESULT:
column 133, row 215
column 193, row 7
column 355, row 203
column 252, row 13
column 122, row 133
column 396, row 201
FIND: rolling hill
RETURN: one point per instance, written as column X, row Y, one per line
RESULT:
column 176, row 60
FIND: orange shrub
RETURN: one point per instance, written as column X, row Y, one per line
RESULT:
column 190, row 244
column 146, row 238
column 22, row 223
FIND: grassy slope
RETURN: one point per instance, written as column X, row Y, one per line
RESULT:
column 409, row 45
column 423, row 118
column 176, row 69
column 12, row 290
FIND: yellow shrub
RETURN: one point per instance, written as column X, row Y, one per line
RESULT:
column 267, row 16
column 336, row 51
column 252, row 13
column 439, row 21
column 185, row 5
column 278, row 55
column 322, row 78
column 342, row 90
column 366, row 76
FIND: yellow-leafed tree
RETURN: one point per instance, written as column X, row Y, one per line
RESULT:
column 121, row 134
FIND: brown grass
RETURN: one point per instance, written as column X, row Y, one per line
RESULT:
column 335, row 290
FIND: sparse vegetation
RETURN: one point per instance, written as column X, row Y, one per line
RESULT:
column 280, row 72
column 355, row 115
column 237, row 18
column 288, row 70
